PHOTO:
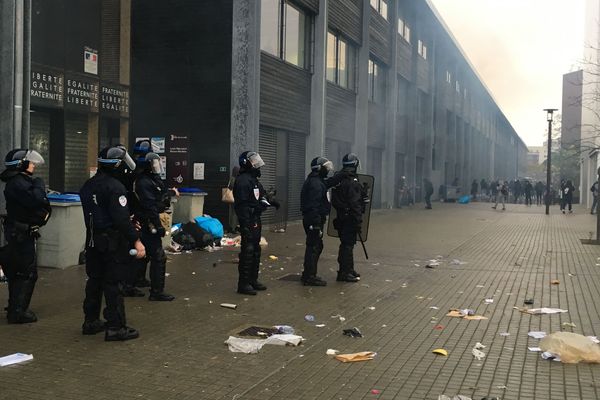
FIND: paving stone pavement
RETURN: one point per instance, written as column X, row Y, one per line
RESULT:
column 510, row 256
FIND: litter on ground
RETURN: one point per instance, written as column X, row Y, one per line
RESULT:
column 504, row 334
column 571, row 348
column 253, row 346
column 332, row 352
column 568, row 325
column 534, row 349
column 543, row 310
column 440, row 352
column 274, row 258
column 537, row 334
column 16, row 358
column 555, row 282
column 229, row 305
column 354, row 357
column 477, row 353
column 309, row 318
column 353, row 332
column 489, row 301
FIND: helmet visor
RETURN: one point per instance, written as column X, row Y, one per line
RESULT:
column 328, row 166
column 34, row 157
column 129, row 161
column 255, row 160
column 156, row 167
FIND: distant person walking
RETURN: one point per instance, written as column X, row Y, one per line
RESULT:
column 539, row 192
column 528, row 189
column 567, row 196
column 493, row 190
column 594, row 190
column 483, row 185
column 474, row 189
column 428, row 186
column 501, row 194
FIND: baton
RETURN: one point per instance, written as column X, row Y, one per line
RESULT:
column 363, row 245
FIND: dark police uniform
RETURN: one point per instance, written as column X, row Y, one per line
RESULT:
column 152, row 199
column 315, row 207
column 348, row 200
column 110, row 235
column 248, row 193
column 27, row 209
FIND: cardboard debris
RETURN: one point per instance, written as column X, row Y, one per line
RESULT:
column 354, row 357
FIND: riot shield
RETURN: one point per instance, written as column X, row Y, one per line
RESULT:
column 368, row 182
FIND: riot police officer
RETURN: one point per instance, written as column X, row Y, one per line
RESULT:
column 27, row 209
column 315, row 208
column 109, row 238
column 348, row 199
column 250, row 202
column 152, row 199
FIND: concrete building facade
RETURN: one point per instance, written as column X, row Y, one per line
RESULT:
column 294, row 79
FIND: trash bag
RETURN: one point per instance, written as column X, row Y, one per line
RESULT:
column 464, row 199
column 210, row 225
column 185, row 240
column 201, row 236
column 571, row 347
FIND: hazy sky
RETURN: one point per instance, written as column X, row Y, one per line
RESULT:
column 521, row 49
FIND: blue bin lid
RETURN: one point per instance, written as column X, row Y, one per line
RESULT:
column 191, row 190
column 64, row 198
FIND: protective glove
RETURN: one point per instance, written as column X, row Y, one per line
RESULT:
column 160, row 231
column 275, row 204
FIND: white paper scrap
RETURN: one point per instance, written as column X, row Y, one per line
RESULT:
column 15, row 359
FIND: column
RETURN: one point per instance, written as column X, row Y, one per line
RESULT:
column 315, row 145
column 245, row 77
column 362, row 97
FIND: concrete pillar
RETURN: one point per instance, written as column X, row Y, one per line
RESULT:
column 315, row 144
column 362, row 97
column 388, row 176
column 93, row 132
column 125, row 43
column 7, row 68
column 245, row 78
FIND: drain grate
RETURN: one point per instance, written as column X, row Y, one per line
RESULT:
column 290, row 277
column 258, row 331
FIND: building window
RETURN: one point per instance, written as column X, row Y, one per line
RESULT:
column 285, row 31
column 403, row 30
column 341, row 61
column 422, row 49
column 448, row 77
column 381, row 7
column 457, row 87
column 376, row 82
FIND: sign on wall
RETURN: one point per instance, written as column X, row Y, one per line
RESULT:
column 177, row 150
column 90, row 60
column 114, row 100
column 47, row 87
column 82, row 93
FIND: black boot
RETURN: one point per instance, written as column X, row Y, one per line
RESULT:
column 346, row 277
column 313, row 281
column 19, row 312
column 93, row 327
column 256, row 285
column 132, row 291
column 160, row 296
column 353, row 272
column 120, row 334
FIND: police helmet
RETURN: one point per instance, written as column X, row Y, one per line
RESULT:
column 114, row 158
column 141, row 148
column 319, row 163
column 19, row 159
column 250, row 160
column 350, row 160
column 153, row 164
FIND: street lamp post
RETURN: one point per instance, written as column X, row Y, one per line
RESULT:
column 549, row 112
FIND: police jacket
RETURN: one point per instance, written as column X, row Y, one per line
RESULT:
column 105, row 209
column 567, row 190
column 313, row 198
column 247, row 192
column 348, row 197
column 428, row 188
column 152, row 198
column 26, row 200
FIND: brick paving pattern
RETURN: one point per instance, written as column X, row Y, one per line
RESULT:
column 510, row 256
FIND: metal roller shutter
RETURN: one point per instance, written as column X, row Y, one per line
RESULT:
column 39, row 140
column 267, row 148
column 76, row 145
column 296, row 160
